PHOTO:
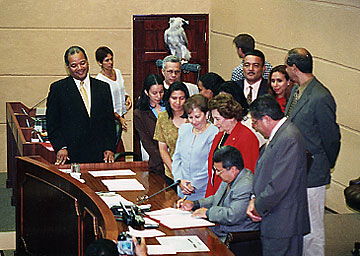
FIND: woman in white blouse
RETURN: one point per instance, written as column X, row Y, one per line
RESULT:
column 112, row 76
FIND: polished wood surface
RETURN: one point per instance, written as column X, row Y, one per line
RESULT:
column 56, row 214
column 152, row 183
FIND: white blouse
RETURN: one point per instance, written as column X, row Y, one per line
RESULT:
column 117, row 91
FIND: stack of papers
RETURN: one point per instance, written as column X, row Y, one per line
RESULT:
column 111, row 199
column 175, row 218
column 123, row 185
column 105, row 173
column 183, row 243
column 145, row 233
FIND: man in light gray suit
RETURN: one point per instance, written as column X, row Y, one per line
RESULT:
column 279, row 198
column 312, row 109
column 228, row 206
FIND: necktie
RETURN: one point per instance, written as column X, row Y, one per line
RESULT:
column 84, row 96
column 293, row 101
column 249, row 96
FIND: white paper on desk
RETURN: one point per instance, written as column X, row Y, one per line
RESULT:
column 184, row 243
column 104, row 173
column 76, row 175
column 176, row 218
column 145, row 233
column 158, row 249
column 123, row 184
column 111, row 199
column 167, row 211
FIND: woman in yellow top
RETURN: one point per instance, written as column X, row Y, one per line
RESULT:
column 168, row 123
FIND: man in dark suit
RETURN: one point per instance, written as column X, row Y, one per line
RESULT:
column 80, row 115
column 312, row 109
column 279, row 198
column 254, row 85
column 228, row 206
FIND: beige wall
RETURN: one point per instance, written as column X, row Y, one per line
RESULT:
column 328, row 29
column 35, row 34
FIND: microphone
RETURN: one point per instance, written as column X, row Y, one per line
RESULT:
column 148, row 197
column 37, row 104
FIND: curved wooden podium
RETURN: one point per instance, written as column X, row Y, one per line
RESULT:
column 56, row 214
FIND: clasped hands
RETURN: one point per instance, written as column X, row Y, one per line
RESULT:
column 252, row 213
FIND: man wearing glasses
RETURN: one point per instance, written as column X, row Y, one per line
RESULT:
column 228, row 206
column 279, row 198
column 171, row 70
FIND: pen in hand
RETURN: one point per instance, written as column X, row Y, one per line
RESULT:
column 180, row 203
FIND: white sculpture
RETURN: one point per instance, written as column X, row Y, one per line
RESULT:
column 176, row 40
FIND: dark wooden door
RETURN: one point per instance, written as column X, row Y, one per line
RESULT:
column 149, row 46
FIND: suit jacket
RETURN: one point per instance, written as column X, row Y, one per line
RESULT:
column 314, row 115
column 262, row 89
column 145, row 122
column 280, row 185
column 245, row 141
column 230, row 213
column 69, row 124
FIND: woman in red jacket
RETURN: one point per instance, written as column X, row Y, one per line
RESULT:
column 227, row 115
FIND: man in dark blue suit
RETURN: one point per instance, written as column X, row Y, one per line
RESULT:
column 254, row 85
column 279, row 198
column 80, row 115
column 312, row 109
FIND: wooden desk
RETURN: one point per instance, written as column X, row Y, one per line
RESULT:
column 57, row 213
column 19, row 141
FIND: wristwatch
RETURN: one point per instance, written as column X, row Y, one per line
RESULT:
column 252, row 196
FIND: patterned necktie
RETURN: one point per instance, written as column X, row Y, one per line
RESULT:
column 84, row 96
column 293, row 101
column 249, row 96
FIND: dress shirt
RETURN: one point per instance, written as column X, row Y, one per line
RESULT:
column 303, row 86
column 86, row 87
column 276, row 128
column 255, row 88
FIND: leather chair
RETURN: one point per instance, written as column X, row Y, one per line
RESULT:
column 244, row 243
column 352, row 197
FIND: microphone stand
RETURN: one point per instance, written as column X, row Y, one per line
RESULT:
column 147, row 198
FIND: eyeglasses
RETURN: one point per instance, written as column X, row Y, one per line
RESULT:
column 217, row 171
column 176, row 72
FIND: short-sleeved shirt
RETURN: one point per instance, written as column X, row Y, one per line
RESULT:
column 166, row 132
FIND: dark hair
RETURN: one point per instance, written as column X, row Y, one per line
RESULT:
column 102, row 247
column 301, row 58
column 102, row 52
column 229, row 156
column 245, row 42
column 71, row 51
column 176, row 86
column 144, row 100
column 227, row 106
column 196, row 101
column 257, row 53
column 232, row 88
column 266, row 105
column 212, row 81
column 281, row 69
